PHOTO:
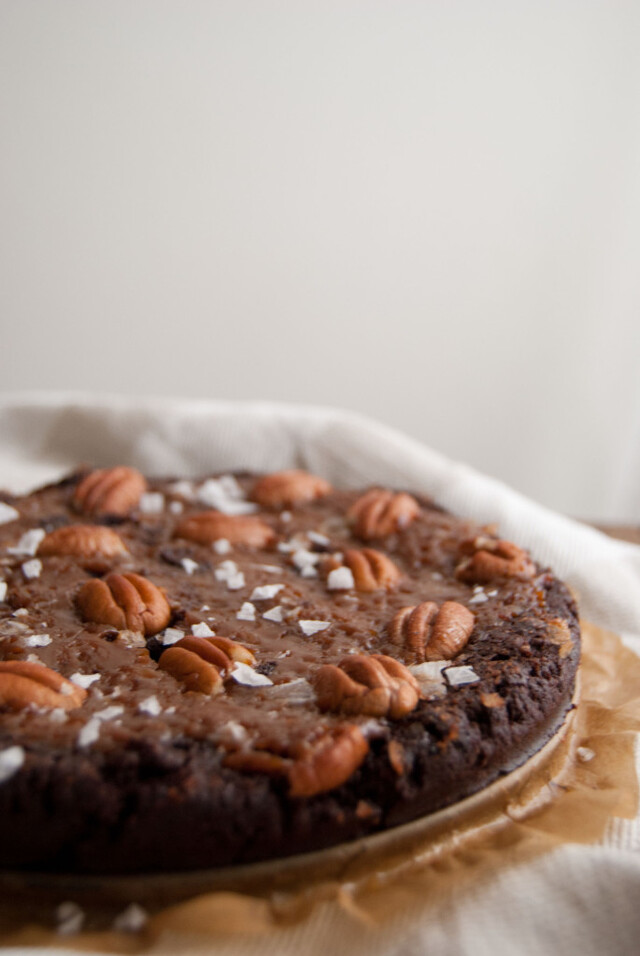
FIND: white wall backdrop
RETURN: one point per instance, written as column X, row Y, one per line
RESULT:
column 425, row 211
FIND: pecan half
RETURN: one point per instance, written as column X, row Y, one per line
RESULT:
column 214, row 653
column 375, row 685
column 283, row 489
column 486, row 559
column 124, row 601
column 23, row 683
column 82, row 541
column 431, row 634
column 205, row 527
column 192, row 670
column 328, row 762
column 372, row 570
column 220, row 651
column 379, row 513
column 112, row 491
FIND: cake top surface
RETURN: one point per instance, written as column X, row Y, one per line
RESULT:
column 286, row 626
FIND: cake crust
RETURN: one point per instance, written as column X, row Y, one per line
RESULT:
column 259, row 666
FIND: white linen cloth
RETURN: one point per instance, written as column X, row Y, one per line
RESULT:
column 577, row 898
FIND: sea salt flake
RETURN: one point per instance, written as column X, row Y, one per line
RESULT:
column 221, row 546
column 302, row 558
column 189, row 565
column 58, row 716
column 3, row 590
column 84, row 680
column 32, row 569
column 430, row 678
column 585, row 754
column 285, row 516
column 313, row 627
column 109, row 713
column 170, row 636
column 36, row 640
column 309, row 572
column 150, row 705
column 340, row 579
column 202, row 630
column 247, row 612
column 7, row 513
column 293, row 544
column 234, row 732
column 70, row 918
column 176, row 507
column 372, row 728
column 478, row 598
column 269, row 568
column 294, row 692
column 228, row 572
column 265, row 592
column 245, row 675
column 89, row 733
column 225, row 495
column 33, row 659
column 183, row 488
column 11, row 760
column 133, row 919
column 29, row 542
column 275, row 614
column 151, row 503
column 458, row 676
column 317, row 538
column 21, row 612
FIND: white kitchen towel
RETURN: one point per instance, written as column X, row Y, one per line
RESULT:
column 577, row 899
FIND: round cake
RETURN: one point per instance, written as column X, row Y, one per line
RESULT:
column 203, row 673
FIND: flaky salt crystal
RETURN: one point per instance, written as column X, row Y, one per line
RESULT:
column 11, row 760
column 313, row 627
column 7, row 513
column 458, row 676
column 265, row 592
column 32, row 569
column 202, row 630
column 84, row 680
column 275, row 614
column 340, row 579
column 247, row 612
column 243, row 674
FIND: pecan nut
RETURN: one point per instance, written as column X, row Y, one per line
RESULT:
column 222, row 652
column 82, row 541
column 328, row 762
column 379, row 513
column 375, row 685
column 283, row 489
column 24, row 682
column 205, row 527
column 372, row 570
column 215, row 653
column 114, row 491
column 487, row 559
column 192, row 670
column 429, row 633
column 124, row 601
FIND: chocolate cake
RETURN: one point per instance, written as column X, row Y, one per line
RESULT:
column 211, row 672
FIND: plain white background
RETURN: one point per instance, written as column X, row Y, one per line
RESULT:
column 428, row 212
